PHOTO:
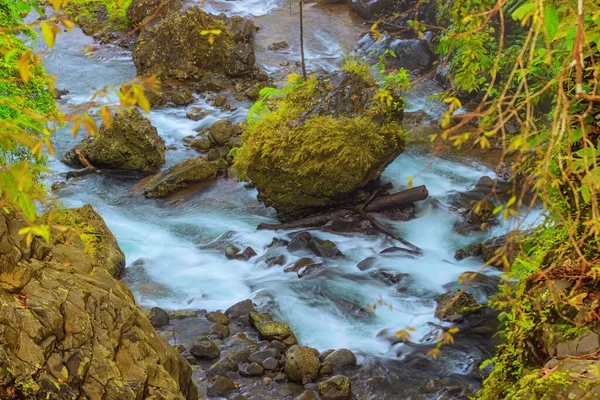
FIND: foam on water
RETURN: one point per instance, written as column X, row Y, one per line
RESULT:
column 244, row 8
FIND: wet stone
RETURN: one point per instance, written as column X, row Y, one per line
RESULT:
column 261, row 356
column 218, row 317
column 158, row 317
column 242, row 308
column 205, row 349
column 270, row 364
column 221, row 386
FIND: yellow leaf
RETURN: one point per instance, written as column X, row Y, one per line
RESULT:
column 49, row 33
column 106, row 115
column 143, row 102
column 89, row 124
column 434, row 353
column 23, row 64
column 68, row 24
column 49, row 147
column 76, row 126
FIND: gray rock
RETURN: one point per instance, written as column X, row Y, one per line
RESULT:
column 221, row 386
column 340, row 359
column 270, row 364
column 158, row 317
column 261, row 356
column 244, row 307
column 205, row 349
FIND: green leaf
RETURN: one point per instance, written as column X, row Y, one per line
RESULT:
column 551, row 20
column 523, row 12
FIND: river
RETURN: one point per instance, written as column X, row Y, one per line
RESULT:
column 173, row 238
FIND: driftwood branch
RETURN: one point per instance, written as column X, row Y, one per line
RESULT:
column 84, row 161
column 379, row 204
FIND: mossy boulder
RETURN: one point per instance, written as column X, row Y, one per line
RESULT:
column 301, row 362
column 455, row 305
column 337, row 387
column 320, row 141
column 176, row 48
column 275, row 330
column 129, row 143
column 189, row 171
column 139, row 10
column 70, row 330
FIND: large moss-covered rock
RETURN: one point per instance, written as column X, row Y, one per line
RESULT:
column 189, row 171
column 139, row 10
column 69, row 330
column 176, row 48
column 98, row 18
column 129, row 143
column 320, row 142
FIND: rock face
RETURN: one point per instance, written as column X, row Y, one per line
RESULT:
column 191, row 170
column 139, row 10
column 194, row 56
column 70, row 330
column 129, row 143
column 338, row 137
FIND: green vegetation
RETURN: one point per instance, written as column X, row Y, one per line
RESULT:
column 27, row 113
column 99, row 16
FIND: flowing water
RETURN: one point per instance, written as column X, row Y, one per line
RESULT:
column 178, row 241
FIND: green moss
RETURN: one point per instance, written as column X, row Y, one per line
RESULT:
column 299, row 158
column 99, row 16
column 191, row 170
column 90, row 228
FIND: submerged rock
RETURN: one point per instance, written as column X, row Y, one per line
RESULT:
column 191, row 170
column 129, row 143
column 339, row 137
column 193, row 56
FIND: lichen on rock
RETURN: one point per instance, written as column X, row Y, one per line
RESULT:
column 129, row 143
column 318, row 141
column 70, row 330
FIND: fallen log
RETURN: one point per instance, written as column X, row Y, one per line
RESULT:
column 378, row 204
column 417, row 193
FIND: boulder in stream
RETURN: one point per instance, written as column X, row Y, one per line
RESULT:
column 193, row 57
column 189, row 171
column 338, row 137
column 129, row 143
